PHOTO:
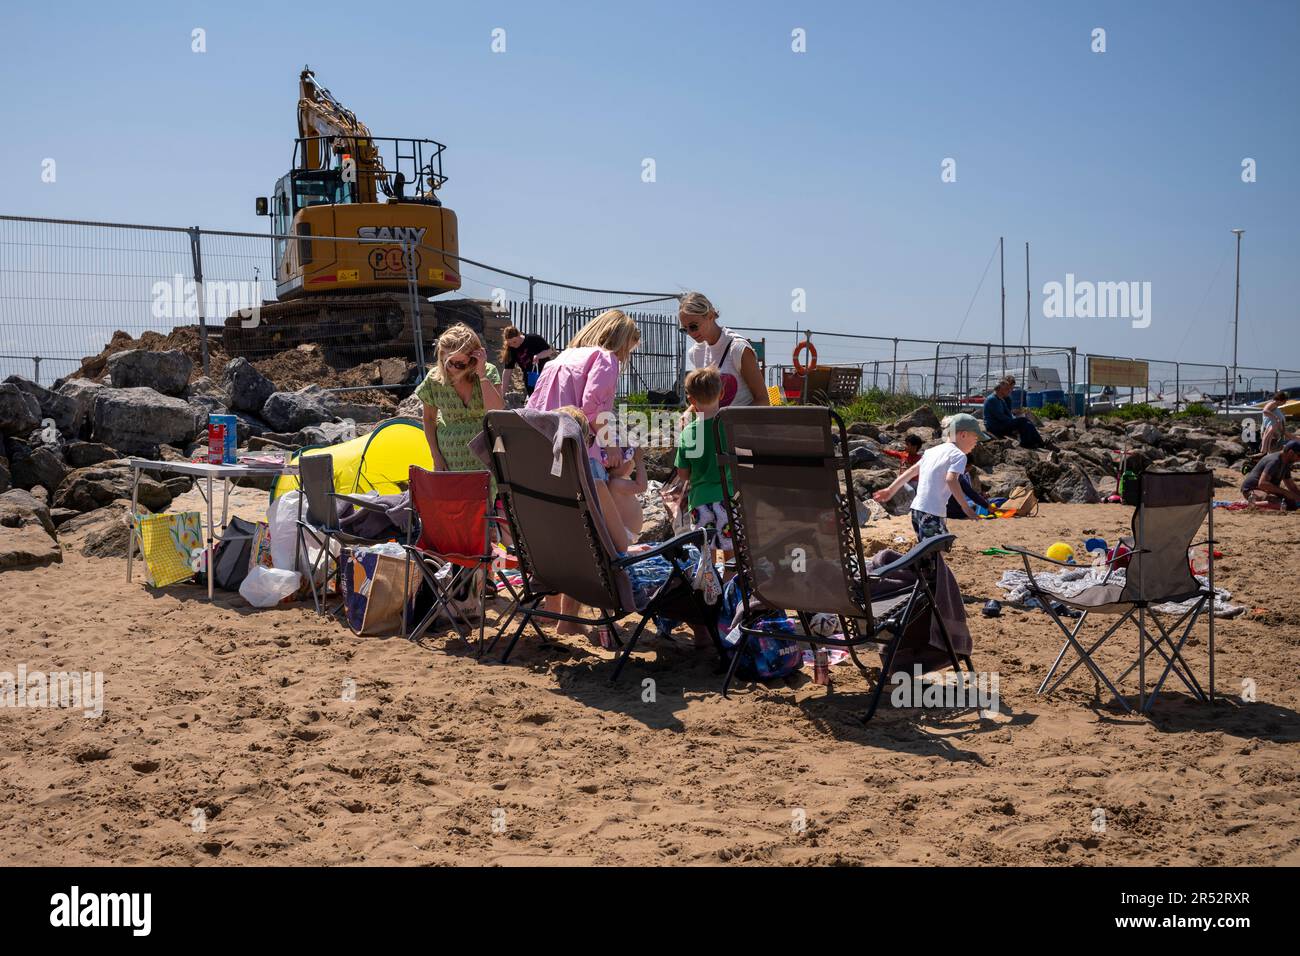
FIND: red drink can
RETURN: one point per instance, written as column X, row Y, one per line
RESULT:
column 216, row 444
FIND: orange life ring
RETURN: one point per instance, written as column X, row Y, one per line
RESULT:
column 811, row 349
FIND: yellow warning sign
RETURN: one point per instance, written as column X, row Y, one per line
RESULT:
column 437, row 275
column 349, row 275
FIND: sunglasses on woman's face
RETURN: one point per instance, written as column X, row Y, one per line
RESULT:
column 460, row 366
column 689, row 328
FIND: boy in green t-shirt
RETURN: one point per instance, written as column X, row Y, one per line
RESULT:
column 697, row 457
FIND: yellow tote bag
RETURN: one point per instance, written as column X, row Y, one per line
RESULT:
column 166, row 542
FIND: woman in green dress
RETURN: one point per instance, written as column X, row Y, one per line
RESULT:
column 460, row 387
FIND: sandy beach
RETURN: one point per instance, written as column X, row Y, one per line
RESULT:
column 225, row 738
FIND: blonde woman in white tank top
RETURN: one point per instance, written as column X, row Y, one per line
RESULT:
column 713, row 344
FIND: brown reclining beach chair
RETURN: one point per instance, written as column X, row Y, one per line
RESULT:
column 789, row 496
column 1171, row 508
column 561, row 541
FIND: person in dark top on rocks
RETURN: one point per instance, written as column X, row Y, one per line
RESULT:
column 527, row 353
column 1001, row 422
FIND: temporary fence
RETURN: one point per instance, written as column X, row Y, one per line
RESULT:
column 940, row 370
column 68, row 286
column 952, row 373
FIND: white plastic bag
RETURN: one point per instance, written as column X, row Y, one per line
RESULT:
column 267, row 587
column 282, row 520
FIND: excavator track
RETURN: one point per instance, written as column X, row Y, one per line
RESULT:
column 350, row 328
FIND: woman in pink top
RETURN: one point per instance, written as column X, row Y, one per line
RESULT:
column 585, row 375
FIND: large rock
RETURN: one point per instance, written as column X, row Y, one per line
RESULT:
column 393, row 371
column 83, row 454
column 326, row 433
column 27, row 540
column 1145, row 432
column 1074, row 487
column 205, row 405
column 658, row 524
column 37, row 464
column 102, row 533
column 1043, row 475
column 204, row 387
column 358, row 411
column 1004, row 479
column 61, row 409
column 410, row 407
column 138, row 420
column 89, row 488
column 1227, row 448
column 248, row 426
column 247, row 387
column 20, row 508
column 991, row 452
column 82, row 393
column 659, row 463
column 922, row 417
column 108, row 540
column 864, row 428
column 901, row 503
column 290, row 411
column 167, row 372
column 867, row 482
column 864, row 453
column 20, row 412
column 28, row 547
column 262, row 443
column 1090, row 458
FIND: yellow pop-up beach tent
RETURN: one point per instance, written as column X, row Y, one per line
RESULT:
column 374, row 462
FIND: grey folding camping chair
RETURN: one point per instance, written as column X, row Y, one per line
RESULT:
column 1171, row 508
column 562, row 545
column 789, row 496
column 321, row 524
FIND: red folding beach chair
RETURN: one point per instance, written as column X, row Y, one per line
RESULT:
column 455, row 512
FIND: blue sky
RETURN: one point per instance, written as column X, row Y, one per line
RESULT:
column 775, row 170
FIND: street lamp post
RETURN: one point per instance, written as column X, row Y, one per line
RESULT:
column 1236, row 315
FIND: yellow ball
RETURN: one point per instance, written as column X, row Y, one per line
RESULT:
column 1061, row 552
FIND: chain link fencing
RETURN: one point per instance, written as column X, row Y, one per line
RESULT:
column 73, row 291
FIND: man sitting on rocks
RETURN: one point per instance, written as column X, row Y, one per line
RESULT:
column 1002, row 422
column 1270, row 480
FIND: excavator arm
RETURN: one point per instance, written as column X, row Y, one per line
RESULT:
column 321, row 115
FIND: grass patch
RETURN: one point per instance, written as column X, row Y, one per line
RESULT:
column 877, row 405
column 1052, row 411
column 1196, row 410
column 1138, row 412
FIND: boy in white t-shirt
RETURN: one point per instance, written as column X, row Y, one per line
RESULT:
column 938, row 475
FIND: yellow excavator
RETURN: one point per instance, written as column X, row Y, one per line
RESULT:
column 354, row 298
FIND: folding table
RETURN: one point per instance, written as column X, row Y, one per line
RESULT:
column 207, row 472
